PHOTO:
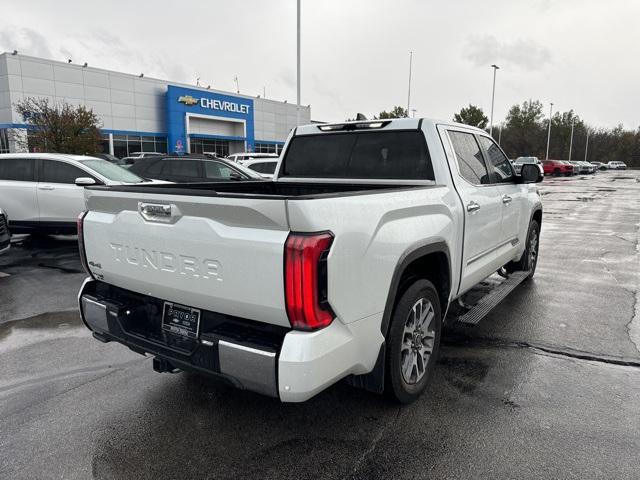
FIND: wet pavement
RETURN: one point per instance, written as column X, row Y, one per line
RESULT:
column 546, row 386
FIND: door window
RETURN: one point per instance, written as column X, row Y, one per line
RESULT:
column 18, row 169
column 217, row 170
column 264, row 167
column 501, row 169
column 469, row 157
column 60, row 172
column 181, row 168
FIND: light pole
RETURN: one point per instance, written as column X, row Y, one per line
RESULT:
column 500, row 135
column 549, row 131
column 298, row 69
column 493, row 96
column 573, row 121
column 586, row 147
column 409, row 91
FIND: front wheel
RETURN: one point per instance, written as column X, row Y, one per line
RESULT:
column 529, row 259
column 413, row 341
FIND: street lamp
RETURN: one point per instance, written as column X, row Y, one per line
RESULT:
column 549, row 131
column 298, row 70
column 586, row 147
column 409, row 90
column 573, row 121
column 493, row 96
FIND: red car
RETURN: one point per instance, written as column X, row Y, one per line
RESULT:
column 556, row 167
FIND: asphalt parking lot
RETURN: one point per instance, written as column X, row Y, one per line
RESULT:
column 546, row 386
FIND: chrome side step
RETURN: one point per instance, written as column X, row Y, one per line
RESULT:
column 491, row 300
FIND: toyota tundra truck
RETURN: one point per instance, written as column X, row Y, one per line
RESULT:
column 342, row 267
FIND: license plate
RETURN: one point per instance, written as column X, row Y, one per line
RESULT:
column 181, row 320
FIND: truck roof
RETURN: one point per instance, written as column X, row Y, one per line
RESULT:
column 385, row 124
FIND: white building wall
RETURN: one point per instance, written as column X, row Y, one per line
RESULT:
column 122, row 101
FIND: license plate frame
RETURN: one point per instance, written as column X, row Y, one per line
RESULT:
column 181, row 320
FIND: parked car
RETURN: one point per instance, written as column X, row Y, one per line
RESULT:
column 616, row 165
column 590, row 168
column 191, row 168
column 579, row 167
column 266, row 168
column 5, row 235
column 235, row 157
column 341, row 267
column 599, row 165
column 44, row 192
column 557, row 168
column 517, row 164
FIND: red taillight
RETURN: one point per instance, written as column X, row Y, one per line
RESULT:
column 305, row 280
column 83, row 256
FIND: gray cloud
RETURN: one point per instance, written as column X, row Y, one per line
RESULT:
column 24, row 40
column 523, row 53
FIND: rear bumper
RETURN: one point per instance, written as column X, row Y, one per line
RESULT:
column 267, row 359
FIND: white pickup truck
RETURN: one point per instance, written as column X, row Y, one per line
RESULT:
column 343, row 266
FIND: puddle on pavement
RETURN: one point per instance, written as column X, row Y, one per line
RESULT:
column 20, row 333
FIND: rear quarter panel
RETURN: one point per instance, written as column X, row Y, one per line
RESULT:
column 372, row 232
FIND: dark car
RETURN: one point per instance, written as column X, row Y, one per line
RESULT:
column 122, row 162
column 191, row 168
column 5, row 236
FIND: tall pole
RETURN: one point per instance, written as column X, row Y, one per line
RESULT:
column 409, row 92
column 493, row 96
column 500, row 135
column 298, row 70
column 549, row 131
column 573, row 121
column 586, row 147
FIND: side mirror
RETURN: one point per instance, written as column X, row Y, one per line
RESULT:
column 235, row 176
column 530, row 173
column 85, row 181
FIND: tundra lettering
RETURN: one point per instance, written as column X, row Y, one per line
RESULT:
column 167, row 262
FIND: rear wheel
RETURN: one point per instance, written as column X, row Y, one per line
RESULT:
column 529, row 259
column 413, row 342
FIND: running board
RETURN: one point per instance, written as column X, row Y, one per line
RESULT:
column 491, row 300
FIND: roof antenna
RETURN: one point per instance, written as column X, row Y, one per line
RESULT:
column 361, row 116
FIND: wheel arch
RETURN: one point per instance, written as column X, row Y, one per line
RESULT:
column 431, row 261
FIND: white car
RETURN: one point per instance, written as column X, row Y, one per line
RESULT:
column 5, row 235
column 342, row 267
column 265, row 167
column 44, row 192
column 238, row 157
column 616, row 165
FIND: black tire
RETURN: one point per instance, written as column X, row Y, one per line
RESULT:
column 396, row 386
column 527, row 261
column 556, row 172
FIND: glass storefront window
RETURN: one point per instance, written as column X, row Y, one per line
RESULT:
column 209, row 145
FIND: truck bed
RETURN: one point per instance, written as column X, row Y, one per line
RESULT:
column 263, row 189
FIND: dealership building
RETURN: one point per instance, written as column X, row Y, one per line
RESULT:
column 141, row 114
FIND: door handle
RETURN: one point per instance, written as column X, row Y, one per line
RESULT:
column 46, row 187
column 473, row 207
column 506, row 199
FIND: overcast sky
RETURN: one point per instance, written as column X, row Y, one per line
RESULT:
column 579, row 54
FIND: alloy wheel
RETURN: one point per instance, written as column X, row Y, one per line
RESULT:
column 418, row 341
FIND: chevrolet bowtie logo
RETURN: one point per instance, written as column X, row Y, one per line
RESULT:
column 188, row 100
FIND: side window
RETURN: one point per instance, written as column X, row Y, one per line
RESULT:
column 470, row 161
column 182, row 168
column 60, row 172
column 501, row 167
column 18, row 169
column 153, row 169
column 217, row 170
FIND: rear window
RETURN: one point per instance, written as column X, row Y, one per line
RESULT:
column 393, row 155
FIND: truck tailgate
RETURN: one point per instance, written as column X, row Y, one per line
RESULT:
column 219, row 254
